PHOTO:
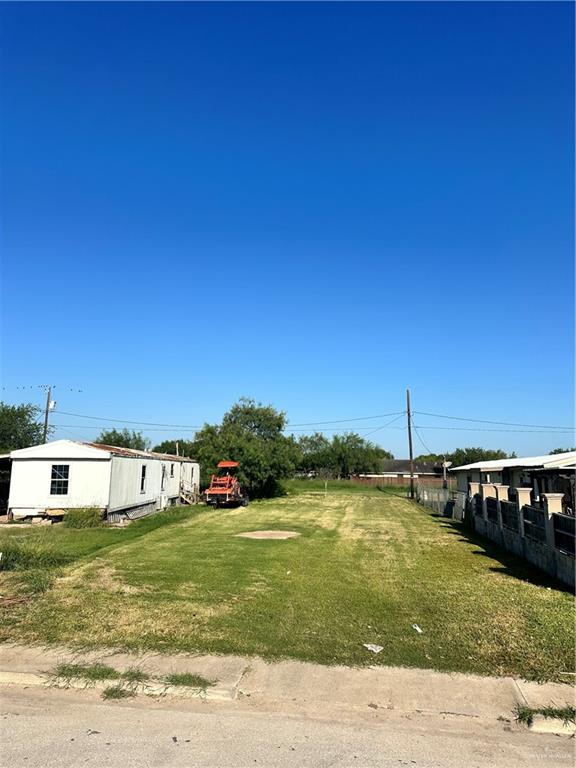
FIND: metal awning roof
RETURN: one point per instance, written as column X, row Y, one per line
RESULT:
column 549, row 461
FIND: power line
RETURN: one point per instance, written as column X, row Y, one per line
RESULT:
column 194, row 429
column 385, row 425
column 290, row 427
column 65, row 432
column 419, row 436
column 538, row 428
column 127, row 421
column 42, row 386
column 341, row 421
column 484, row 429
column 143, row 429
column 345, row 429
column 485, row 421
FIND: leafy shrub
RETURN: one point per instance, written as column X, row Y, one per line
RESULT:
column 83, row 517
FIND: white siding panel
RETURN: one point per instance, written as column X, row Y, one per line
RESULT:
column 190, row 476
column 88, row 485
column 126, row 479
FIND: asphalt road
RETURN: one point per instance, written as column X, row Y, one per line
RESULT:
column 71, row 728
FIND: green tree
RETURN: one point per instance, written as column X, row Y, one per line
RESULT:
column 561, row 450
column 208, row 449
column 20, row 426
column 252, row 434
column 434, row 459
column 124, row 438
column 342, row 456
column 314, row 453
column 352, row 454
column 463, row 456
column 169, row 446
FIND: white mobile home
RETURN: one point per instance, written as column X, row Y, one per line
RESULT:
column 66, row 474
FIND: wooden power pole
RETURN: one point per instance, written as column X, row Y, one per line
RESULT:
column 46, row 412
column 410, row 450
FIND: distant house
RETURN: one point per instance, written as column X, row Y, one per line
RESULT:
column 397, row 472
column 541, row 474
column 121, row 482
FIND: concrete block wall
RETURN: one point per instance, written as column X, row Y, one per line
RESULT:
column 459, row 505
column 544, row 556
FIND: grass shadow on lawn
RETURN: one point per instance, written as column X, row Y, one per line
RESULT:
column 512, row 565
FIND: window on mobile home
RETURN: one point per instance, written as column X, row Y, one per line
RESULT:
column 59, row 479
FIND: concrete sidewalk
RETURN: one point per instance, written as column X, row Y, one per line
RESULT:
column 308, row 688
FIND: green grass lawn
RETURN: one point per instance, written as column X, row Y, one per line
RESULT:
column 366, row 567
column 316, row 485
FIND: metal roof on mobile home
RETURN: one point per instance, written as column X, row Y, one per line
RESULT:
column 550, row 461
column 77, row 449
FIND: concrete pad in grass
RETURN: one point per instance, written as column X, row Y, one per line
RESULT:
column 268, row 535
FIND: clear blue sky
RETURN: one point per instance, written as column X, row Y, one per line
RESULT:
column 316, row 205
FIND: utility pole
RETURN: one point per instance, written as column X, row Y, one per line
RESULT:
column 46, row 412
column 410, row 450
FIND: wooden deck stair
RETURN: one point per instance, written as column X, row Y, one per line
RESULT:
column 188, row 496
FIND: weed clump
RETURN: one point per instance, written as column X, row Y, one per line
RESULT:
column 135, row 675
column 89, row 672
column 189, row 680
column 83, row 517
column 33, row 554
column 115, row 692
column 36, row 581
column 526, row 714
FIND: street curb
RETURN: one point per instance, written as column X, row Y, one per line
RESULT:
column 27, row 680
column 553, row 725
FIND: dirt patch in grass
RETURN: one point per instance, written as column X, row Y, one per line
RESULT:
column 102, row 576
column 85, row 619
column 268, row 535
